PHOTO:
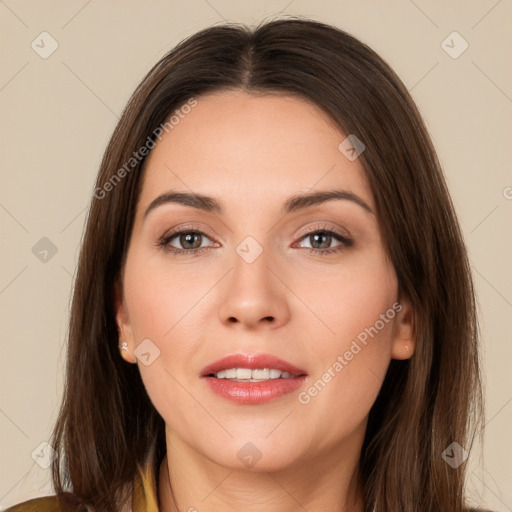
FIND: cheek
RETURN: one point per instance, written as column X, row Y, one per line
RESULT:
column 351, row 298
column 351, row 357
column 348, row 375
column 160, row 308
column 161, row 297
column 166, row 304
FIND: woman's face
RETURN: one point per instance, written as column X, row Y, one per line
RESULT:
column 307, row 282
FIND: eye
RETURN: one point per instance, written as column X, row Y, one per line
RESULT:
column 321, row 240
column 190, row 241
column 193, row 241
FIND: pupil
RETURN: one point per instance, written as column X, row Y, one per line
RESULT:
column 185, row 239
column 317, row 236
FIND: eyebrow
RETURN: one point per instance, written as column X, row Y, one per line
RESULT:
column 292, row 204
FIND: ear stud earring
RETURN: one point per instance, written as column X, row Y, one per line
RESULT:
column 124, row 345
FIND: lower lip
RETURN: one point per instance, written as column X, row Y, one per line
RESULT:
column 254, row 393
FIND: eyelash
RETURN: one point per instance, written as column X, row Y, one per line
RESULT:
column 163, row 242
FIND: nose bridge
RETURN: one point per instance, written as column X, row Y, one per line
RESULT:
column 252, row 293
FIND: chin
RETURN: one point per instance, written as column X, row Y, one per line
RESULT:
column 256, row 454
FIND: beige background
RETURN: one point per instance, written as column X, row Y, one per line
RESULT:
column 58, row 113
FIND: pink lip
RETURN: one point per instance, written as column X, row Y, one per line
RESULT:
column 252, row 362
column 253, row 393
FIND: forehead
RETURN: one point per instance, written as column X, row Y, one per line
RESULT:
column 257, row 148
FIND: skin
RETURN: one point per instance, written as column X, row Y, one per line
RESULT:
column 251, row 153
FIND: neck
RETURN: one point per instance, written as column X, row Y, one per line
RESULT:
column 328, row 482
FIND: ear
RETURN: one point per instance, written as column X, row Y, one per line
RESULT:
column 404, row 338
column 124, row 327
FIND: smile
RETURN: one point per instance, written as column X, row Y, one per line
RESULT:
column 252, row 375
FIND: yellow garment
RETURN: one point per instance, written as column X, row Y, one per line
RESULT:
column 144, row 498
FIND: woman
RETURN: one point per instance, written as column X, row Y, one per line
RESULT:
column 273, row 307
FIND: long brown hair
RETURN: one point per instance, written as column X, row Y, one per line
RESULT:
column 107, row 424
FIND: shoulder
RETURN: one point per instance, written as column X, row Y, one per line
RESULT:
column 46, row 504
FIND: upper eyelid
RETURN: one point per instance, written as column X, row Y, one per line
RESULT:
column 188, row 229
column 342, row 232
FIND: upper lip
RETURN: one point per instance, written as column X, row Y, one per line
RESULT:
column 253, row 362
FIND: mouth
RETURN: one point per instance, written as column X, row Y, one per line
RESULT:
column 252, row 379
column 252, row 375
column 257, row 367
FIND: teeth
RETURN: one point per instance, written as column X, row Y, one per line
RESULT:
column 275, row 374
column 243, row 373
column 256, row 375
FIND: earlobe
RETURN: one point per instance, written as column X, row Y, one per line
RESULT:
column 404, row 338
column 125, row 335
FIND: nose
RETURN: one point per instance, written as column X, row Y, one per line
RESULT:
column 253, row 296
